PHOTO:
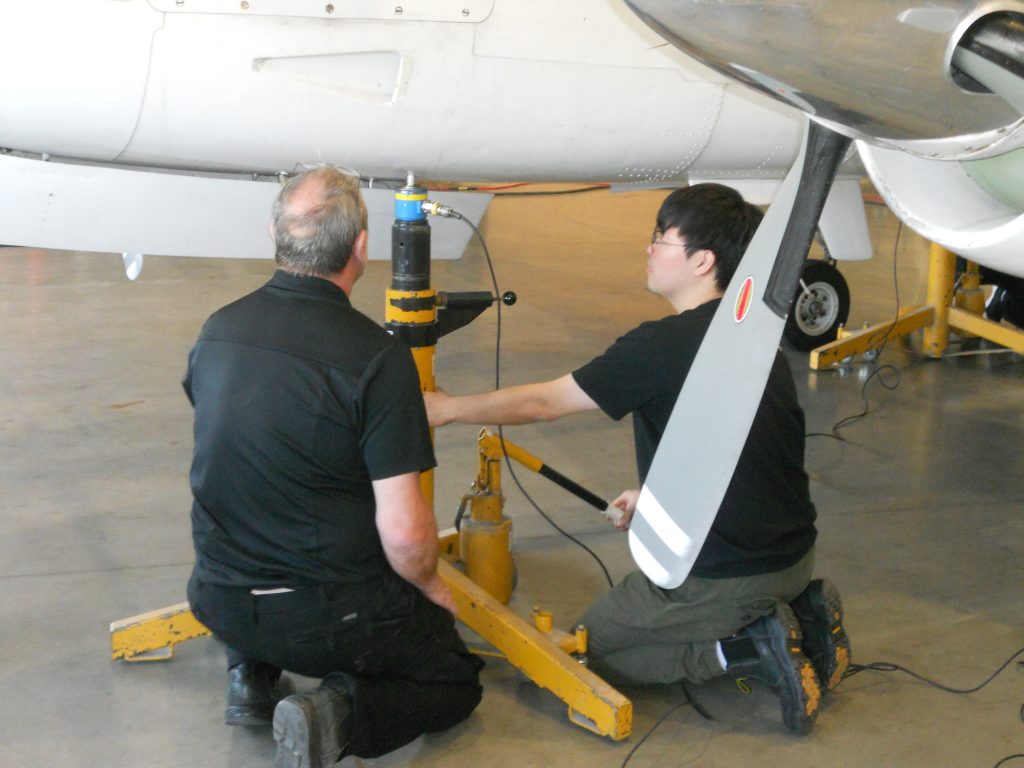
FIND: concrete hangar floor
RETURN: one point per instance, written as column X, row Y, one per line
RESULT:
column 919, row 512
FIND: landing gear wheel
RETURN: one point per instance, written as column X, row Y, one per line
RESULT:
column 821, row 305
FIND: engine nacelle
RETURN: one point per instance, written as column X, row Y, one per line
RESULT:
column 973, row 207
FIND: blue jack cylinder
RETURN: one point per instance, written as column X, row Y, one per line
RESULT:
column 410, row 241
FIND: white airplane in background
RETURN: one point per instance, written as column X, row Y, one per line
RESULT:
column 162, row 126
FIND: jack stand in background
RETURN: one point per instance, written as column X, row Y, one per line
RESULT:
column 950, row 306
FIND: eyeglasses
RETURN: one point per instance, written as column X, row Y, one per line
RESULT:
column 655, row 241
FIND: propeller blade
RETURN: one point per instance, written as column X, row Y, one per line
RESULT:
column 697, row 455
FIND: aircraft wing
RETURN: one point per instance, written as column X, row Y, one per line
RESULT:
column 135, row 211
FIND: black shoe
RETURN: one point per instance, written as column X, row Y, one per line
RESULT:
column 820, row 613
column 769, row 651
column 253, row 691
column 312, row 729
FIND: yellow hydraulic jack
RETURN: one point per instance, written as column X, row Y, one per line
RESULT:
column 951, row 305
column 551, row 659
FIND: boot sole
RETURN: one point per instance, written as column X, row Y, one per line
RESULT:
column 820, row 613
column 294, row 731
column 802, row 697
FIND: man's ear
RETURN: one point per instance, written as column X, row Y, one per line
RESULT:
column 360, row 252
column 708, row 261
column 360, row 248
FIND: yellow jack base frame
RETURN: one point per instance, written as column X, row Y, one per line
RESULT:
column 544, row 658
column 937, row 317
column 593, row 704
column 152, row 636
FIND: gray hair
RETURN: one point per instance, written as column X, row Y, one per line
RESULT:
column 315, row 236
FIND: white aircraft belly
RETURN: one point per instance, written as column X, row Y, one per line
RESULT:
column 67, row 92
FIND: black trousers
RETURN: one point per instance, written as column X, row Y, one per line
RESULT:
column 406, row 667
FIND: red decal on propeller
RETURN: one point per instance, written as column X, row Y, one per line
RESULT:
column 743, row 300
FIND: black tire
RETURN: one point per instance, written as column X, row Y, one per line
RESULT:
column 821, row 305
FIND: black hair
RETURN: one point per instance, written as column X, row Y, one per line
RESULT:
column 712, row 217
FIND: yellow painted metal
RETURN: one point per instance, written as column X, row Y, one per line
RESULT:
column 485, row 541
column 937, row 317
column 574, row 642
column 544, row 621
column 494, row 448
column 592, row 703
column 872, row 337
column 422, row 356
column 395, row 313
column 424, row 359
column 968, row 322
column 152, row 636
column 582, row 635
column 485, row 549
column 448, row 544
column 941, row 274
column 969, row 295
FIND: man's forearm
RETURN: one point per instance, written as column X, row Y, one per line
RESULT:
column 413, row 555
column 513, row 405
column 524, row 404
column 416, row 562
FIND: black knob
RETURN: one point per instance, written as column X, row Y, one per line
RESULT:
column 508, row 298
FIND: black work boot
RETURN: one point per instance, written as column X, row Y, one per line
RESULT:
column 769, row 651
column 253, row 691
column 312, row 729
column 820, row 613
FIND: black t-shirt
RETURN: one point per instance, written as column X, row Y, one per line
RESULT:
column 300, row 402
column 766, row 519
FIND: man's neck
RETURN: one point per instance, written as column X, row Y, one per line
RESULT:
column 701, row 294
column 344, row 279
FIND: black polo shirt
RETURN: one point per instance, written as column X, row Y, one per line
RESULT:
column 300, row 402
column 766, row 520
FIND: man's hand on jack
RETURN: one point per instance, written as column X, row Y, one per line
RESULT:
column 626, row 502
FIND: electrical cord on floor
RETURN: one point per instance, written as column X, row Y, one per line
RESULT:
column 688, row 699
column 879, row 369
column 884, row 666
column 501, row 434
column 1008, row 758
column 875, row 666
